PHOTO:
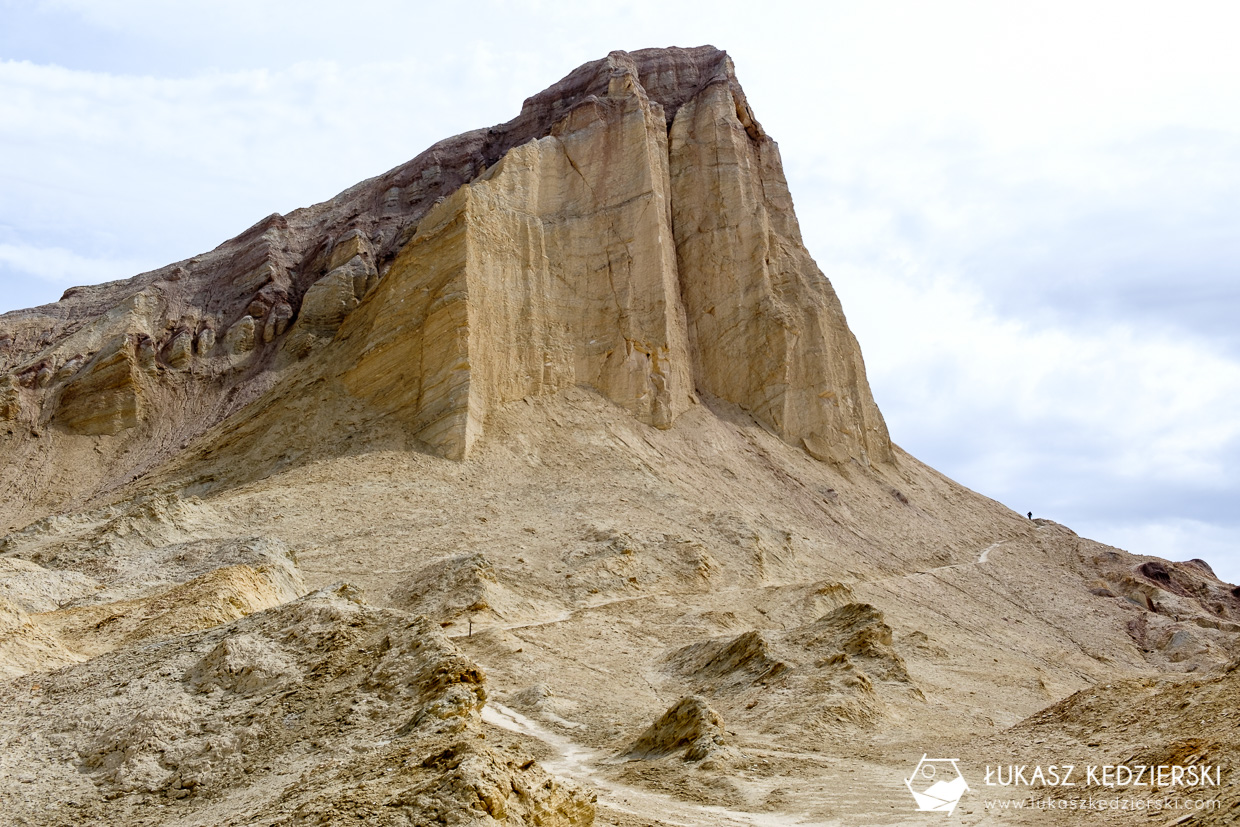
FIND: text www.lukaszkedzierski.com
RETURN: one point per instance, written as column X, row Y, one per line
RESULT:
column 1088, row 804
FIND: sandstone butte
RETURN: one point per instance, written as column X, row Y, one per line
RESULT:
column 571, row 408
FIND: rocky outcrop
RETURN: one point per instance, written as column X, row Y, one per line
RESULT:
column 860, row 632
column 277, row 321
column 106, row 396
column 180, row 350
column 240, row 338
column 842, row 669
column 630, row 231
column 554, row 268
column 233, row 725
column 545, row 293
column 351, row 245
column 332, row 298
column 690, row 729
column 10, row 401
column 205, row 341
column 613, row 255
column 464, row 585
column 741, row 661
column 768, row 331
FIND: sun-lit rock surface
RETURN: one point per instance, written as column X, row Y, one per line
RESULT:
column 568, row 405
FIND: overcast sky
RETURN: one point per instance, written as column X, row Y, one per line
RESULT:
column 1029, row 210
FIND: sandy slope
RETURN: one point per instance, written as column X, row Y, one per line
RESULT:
column 841, row 620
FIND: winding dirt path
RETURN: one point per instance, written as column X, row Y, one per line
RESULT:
column 985, row 555
column 578, row 762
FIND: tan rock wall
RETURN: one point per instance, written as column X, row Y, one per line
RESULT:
column 768, row 330
column 413, row 335
column 595, row 256
column 106, row 397
column 555, row 268
column 573, row 271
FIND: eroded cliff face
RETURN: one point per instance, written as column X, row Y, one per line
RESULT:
column 612, row 253
column 631, row 231
column 555, row 267
column 768, row 331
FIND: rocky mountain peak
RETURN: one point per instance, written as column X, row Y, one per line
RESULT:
column 630, row 230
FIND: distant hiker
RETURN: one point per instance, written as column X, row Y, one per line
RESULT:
column 1031, row 515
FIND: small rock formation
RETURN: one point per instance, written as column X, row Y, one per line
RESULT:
column 10, row 401
column 206, row 341
column 278, row 321
column 690, row 729
column 146, row 353
column 352, row 244
column 240, row 338
column 741, row 661
column 458, row 586
column 180, row 350
column 245, row 664
column 841, row 666
column 330, row 299
column 1151, row 721
column 72, row 365
column 857, row 630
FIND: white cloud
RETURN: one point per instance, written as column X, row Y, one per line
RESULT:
column 165, row 167
column 1092, row 426
column 1156, row 403
column 65, row 267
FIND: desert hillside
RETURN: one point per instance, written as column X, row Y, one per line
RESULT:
column 538, row 481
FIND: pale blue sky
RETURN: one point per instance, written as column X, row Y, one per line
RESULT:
column 1029, row 211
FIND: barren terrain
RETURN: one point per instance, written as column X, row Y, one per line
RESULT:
column 538, row 482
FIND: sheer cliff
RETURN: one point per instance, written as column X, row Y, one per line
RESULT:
column 630, row 231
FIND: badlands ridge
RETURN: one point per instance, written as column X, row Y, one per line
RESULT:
column 538, row 481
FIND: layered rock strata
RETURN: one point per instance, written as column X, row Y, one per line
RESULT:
column 613, row 253
column 631, row 231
